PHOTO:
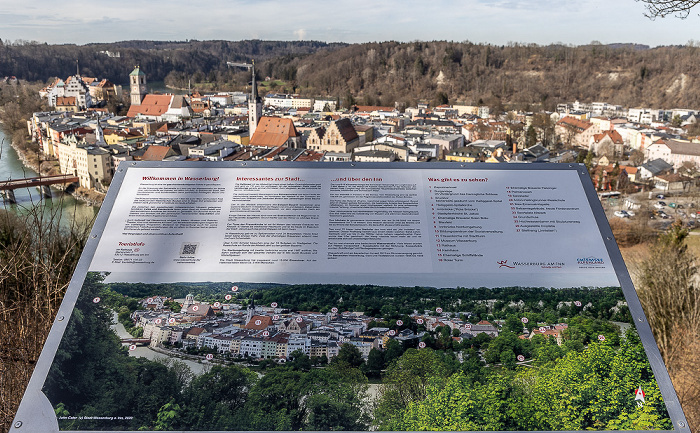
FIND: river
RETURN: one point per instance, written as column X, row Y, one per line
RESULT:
column 71, row 210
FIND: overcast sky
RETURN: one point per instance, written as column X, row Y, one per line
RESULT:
column 483, row 21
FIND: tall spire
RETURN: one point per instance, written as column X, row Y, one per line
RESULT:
column 254, row 105
column 77, row 68
column 254, row 88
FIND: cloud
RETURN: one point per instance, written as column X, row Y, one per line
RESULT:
column 300, row 34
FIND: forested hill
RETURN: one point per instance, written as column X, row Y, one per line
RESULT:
column 39, row 62
column 514, row 75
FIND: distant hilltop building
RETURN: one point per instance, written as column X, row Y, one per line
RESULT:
column 78, row 93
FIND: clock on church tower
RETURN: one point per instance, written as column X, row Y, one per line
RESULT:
column 137, row 85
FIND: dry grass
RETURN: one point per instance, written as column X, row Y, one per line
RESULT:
column 681, row 344
column 37, row 259
column 683, row 363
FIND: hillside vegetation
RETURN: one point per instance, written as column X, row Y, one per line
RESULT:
column 516, row 75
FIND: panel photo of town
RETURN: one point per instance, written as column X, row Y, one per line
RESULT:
column 254, row 356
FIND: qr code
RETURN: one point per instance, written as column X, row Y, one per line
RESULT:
column 189, row 248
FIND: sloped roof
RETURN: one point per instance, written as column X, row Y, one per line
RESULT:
column 259, row 323
column 65, row 100
column 273, row 132
column 152, row 105
column 310, row 155
column 370, row 108
column 657, row 166
column 576, row 123
column 614, row 136
column 105, row 83
column 156, row 153
column 346, row 129
column 683, row 147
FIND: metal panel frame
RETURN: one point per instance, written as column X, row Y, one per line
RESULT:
column 36, row 414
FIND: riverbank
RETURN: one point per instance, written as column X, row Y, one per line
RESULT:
column 46, row 168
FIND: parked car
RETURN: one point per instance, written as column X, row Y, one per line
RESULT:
column 660, row 196
column 672, row 205
column 680, row 212
column 658, row 205
column 694, row 215
column 621, row 214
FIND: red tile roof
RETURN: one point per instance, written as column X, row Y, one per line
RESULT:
column 156, row 153
column 259, row 323
column 152, row 105
column 582, row 125
column 614, row 136
column 63, row 101
column 273, row 132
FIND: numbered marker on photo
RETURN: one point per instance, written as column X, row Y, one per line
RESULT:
column 209, row 356
column 392, row 332
column 419, row 321
column 149, row 300
column 274, row 305
column 228, row 297
column 601, row 337
column 158, row 321
column 132, row 347
column 195, row 308
column 171, row 320
column 421, row 345
column 266, row 334
column 468, row 326
column 299, row 319
column 276, row 317
column 577, row 303
column 258, row 322
column 399, row 322
column 524, row 320
column 543, row 329
column 521, row 358
column 438, row 310
column 217, row 304
column 96, row 300
column 334, row 310
column 234, row 288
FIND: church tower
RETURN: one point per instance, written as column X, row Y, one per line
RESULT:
column 254, row 106
column 137, row 86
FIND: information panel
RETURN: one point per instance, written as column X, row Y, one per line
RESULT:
column 350, row 297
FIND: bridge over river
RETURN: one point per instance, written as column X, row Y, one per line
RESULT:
column 7, row 187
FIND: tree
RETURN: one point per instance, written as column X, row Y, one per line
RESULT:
column 676, row 121
column 531, row 136
column 637, row 157
column 406, row 380
column 663, row 8
column 350, row 355
column 214, row 399
column 375, row 362
column 276, row 402
column 667, row 288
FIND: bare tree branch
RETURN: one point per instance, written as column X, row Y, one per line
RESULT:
column 662, row 8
